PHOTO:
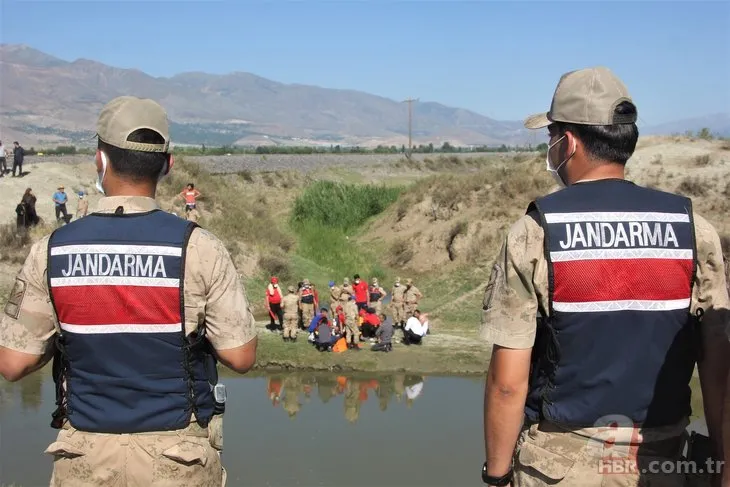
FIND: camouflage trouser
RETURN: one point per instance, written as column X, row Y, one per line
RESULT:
column 546, row 456
column 161, row 459
column 399, row 312
column 377, row 306
column 352, row 332
column 307, row 314
column 410, row 308
column 290, row 326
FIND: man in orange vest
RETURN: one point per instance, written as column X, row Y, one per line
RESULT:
column 273, row 303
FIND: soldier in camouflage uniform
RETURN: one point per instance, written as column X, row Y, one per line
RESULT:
column 215, row 302
column 352, row 331
column 307, row 302
column 557, row 413
column 376, row 294
column 397, row 303
column 411, row 296
column 290, row 307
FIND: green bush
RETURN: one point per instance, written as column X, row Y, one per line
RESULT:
column 340, row 205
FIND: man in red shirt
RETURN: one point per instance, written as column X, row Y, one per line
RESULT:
column 370, row 322
column 273, row 303
column 361, row 292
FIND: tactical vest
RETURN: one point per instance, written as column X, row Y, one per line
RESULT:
column 619, row 339
column 116, row 285
column 307, row 295
column 375, row 294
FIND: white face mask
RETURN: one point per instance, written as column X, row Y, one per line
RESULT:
column 100, row 178
column 554, row 172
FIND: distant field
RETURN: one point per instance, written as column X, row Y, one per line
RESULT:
column 279, row 162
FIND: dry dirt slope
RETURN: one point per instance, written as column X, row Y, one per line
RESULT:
column 450, row 220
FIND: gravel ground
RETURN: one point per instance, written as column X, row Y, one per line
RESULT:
column 273, row 162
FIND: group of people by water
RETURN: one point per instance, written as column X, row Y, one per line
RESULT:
column 355, row 313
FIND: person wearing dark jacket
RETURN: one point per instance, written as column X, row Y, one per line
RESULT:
column 384, row 335
column 28, row 200
column 18, row 156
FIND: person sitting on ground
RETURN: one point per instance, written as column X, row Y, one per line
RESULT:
column 416, row 328
column 29, row 200
column 370, row 323
column 321, row 329
column 384, row 334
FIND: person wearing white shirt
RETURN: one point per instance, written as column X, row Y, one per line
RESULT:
column 416, row 328
column 3, row 160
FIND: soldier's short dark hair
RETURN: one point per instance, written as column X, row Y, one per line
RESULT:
column 135, row 165
column 612, row 143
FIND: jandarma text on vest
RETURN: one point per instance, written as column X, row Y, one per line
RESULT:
column 629, row 234
column 115, row 261
column 622, row 465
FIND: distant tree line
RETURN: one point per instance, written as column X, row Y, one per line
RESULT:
column 446, row 147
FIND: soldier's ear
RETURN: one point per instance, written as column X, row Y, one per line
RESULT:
column 170, row 163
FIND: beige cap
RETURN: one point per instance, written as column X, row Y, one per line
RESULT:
column 125, row 114
column 587, row 97
column 291, row 289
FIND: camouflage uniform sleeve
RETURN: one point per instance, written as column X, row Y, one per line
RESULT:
column 710, row 291
column 510, row 305
column 224, row 307
column 27, row 323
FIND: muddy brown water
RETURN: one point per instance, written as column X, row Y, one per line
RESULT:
column 294, row 429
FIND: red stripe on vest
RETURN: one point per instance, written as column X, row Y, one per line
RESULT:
column 117, row 305
column 622, row 279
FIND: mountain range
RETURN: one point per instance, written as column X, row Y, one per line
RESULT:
column 47, row 100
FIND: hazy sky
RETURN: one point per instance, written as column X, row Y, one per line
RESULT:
column 501, row 59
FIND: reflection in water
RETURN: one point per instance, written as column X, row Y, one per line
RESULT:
column 290, row 390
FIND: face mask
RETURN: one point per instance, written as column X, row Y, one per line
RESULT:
column 100, row 178
column 554, row 172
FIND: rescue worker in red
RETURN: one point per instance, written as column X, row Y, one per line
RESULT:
column 361, row 292
column 603, row 298
column 136, row 306
column 273, row 304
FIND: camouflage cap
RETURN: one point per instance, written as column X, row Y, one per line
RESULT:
column 397, row 280
column 587, row 97
column 375, row 281
column 409, row 281
column 306, row 282
column 291, row 289
column 346, row 281
column 126, row 114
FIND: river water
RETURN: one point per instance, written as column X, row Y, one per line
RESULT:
column 300, row 430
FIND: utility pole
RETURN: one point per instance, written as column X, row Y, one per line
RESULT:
column 410, row 125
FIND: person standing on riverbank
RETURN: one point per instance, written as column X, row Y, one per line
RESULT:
column 600, row 302
column 376, row 296
column 411, row 296
column 138, row 402
column 290, row 307
column 397, row 303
